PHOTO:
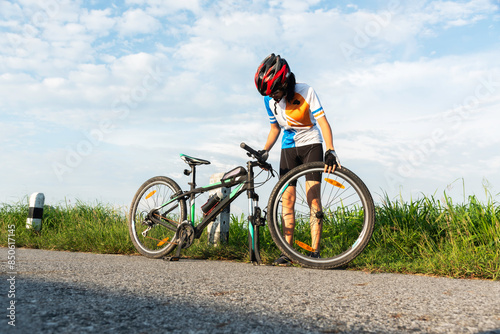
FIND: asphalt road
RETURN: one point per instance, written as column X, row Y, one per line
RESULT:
column 63, row 292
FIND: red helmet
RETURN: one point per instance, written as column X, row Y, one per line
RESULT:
column 271, row 75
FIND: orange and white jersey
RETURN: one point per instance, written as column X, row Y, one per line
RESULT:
column 298, row 117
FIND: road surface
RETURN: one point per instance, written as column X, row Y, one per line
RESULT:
column 63, row 292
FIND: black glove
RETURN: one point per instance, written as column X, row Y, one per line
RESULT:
column 264, row 154
column 331, row 159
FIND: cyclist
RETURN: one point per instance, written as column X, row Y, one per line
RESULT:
column 295, row 108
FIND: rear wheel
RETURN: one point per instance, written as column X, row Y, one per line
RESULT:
column 153, row 230
column 333, row 217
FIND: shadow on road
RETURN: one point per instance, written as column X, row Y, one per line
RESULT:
column 55, row 307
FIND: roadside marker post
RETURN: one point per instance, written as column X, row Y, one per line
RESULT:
column 218, row 230
column 35, row 213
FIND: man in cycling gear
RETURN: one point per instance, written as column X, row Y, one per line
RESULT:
column 295, row 108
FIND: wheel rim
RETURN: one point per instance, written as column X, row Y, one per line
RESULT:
column 345, row 221
column 155, row 238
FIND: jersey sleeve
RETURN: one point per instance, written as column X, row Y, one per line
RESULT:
column 314, row 104
column 272, row 117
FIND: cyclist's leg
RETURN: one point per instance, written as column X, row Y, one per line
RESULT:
column 289, row 160
column 313, row 192
column 313, row 189
column 289, row 213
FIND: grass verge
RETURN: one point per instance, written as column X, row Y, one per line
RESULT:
column 425, row 236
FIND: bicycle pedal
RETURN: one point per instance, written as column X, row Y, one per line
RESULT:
column 171, row 258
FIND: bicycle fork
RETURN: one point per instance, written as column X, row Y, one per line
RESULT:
column 255, row 221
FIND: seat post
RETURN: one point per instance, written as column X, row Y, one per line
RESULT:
column 193, row 176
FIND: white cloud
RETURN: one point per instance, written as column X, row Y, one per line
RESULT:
column 98, row 21
column 136, row 21
column 133, row 64
column 11, row 12
column 166, row 7
column 373, row 36
column 55, row 32
column 458, row 14
column 294, row 5
column 240, row 27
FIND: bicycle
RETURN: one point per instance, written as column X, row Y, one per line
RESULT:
column 159, row 221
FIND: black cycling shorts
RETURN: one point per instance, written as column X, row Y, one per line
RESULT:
column 296, row 156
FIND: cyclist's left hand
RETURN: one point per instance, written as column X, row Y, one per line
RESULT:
column 331, row 161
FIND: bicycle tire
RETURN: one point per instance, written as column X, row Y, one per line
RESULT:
column 159, row 240
column 346, row 217
column 254, row 244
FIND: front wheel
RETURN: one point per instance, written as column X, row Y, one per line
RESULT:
column 321, row 220
column 152, row 225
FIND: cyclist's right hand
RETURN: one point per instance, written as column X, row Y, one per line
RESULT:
column 264, row 155
column 261, row 157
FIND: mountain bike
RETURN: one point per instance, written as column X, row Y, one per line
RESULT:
column 162, row 215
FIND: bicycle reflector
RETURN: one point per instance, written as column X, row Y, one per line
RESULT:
column 150, row 194
column 162, row 242
column 305, row 246
column 335, row 183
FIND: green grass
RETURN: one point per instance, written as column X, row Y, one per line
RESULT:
column 429, row 237
column 82, row 227
column 424, row 236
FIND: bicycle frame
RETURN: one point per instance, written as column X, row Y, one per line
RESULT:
column 242, row 185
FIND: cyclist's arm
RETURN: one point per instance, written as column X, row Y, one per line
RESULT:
column 274, row 133
column 326, row 131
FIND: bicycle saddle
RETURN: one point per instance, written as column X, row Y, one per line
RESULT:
column 194, row 161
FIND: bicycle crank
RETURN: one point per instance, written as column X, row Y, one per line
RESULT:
column 184, row 238
column 185, row 234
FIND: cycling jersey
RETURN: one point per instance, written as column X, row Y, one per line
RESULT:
column 298, row 117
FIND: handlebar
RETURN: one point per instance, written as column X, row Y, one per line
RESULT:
column 258, row 156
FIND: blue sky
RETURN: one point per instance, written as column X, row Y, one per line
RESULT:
column 96, row 97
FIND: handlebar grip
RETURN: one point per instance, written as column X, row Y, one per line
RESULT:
column 257, row 156
column 250, row 150
column 247, row 148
